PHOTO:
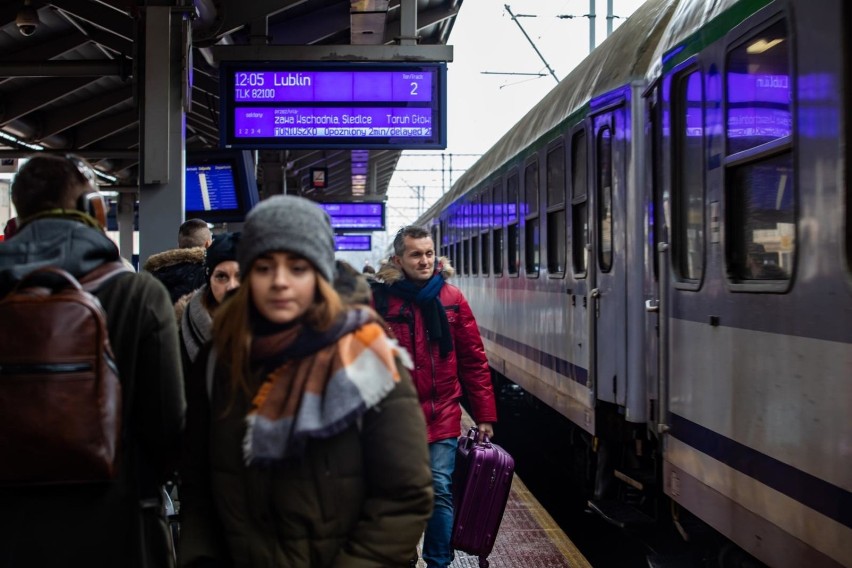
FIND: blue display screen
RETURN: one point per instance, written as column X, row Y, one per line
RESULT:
column 211, row 187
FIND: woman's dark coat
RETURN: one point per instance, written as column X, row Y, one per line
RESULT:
column 99, row 525
column 359, row 499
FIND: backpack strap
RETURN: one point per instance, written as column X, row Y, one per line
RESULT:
column 92, row 281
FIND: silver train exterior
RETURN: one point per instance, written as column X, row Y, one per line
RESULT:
column 662, row 249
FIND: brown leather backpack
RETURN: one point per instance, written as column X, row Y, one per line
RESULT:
column 60, row 397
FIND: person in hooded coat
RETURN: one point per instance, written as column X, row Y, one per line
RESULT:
column 181, row 270
column 102, row 524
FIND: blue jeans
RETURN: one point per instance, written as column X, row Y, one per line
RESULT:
column 437, row 551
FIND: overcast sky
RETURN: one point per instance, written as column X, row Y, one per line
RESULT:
column 482, row 106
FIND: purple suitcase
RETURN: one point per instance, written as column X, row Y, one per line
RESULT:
column 481, row 483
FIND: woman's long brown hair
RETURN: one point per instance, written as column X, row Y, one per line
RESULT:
column 232, row 333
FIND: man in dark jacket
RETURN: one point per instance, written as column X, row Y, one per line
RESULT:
column 433, row 321
column 99, row 524
column 182, row 269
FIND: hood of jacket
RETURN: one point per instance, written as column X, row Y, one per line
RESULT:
column 64, row 243
column 389, row 273
column 155, row 262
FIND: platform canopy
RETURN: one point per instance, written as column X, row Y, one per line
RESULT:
column 68, row 83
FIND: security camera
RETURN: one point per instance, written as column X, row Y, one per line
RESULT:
column 27, row 20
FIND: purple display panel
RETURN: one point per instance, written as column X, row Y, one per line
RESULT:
column 333, row 86
column 353, row 242
column 341, row 105
column 294, row 122
column 356, row 216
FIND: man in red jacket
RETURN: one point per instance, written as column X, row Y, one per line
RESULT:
column 433, row 321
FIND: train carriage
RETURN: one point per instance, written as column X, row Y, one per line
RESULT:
column 661, row 251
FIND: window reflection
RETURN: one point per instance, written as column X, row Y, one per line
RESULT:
column 531, row 230
column 763, row 210
column 759, row 90
column 688, row 195
column 556, row 229
column 513, row 243
column 579, row 213
column 605, row 229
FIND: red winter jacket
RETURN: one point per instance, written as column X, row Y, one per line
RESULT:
column 439, row 381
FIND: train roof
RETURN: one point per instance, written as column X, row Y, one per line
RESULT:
column 689, row 17
column 623, row 57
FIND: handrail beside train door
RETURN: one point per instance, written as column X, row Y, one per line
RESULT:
column 663, row 349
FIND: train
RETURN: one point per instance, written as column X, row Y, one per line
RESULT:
column 660, row 251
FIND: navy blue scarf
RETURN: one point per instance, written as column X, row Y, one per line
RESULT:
column 434, row 315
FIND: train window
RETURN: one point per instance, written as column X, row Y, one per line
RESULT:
column 605, row 241
column 475, row 223
column 688, row 190
column 762, row 218
column 498, row 208
column 487, row 223
column 474, row 255
column 465, row 256
column 556, row 229
column 513, row 236
column 759, row 92
column 760, row 235
column 579, row 209
column 532, row 235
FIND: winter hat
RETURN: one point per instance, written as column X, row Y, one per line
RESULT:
column 288, row 223
column 224, row 248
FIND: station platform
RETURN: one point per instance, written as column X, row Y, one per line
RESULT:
column 528, row 535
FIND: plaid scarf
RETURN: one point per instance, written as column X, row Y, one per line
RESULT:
column 331, row 380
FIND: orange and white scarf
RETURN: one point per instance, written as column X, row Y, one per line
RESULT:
column 324, row 392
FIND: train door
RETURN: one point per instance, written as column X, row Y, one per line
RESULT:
column 607, row 265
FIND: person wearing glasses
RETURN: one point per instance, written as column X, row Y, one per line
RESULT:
column 432, row 320
column 61, row 223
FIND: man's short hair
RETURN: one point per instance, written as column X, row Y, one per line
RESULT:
column 193, row 233
column 412, row 231
column 47, row 182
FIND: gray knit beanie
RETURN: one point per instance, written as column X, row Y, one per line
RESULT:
column 292, row 224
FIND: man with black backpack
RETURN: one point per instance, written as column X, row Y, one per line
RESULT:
column 54, row 511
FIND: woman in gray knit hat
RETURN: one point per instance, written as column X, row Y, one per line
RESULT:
column 306, row 442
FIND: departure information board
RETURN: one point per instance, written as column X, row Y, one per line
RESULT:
column 353, row 105
column 353, row 242
column 210, row 187
column 356, row 216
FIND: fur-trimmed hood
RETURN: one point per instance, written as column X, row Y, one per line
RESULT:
column 155, row 262
column 389, row 273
